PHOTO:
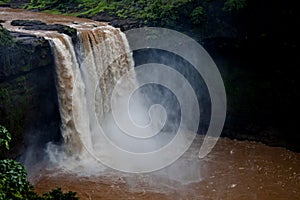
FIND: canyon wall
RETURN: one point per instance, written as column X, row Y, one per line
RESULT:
column 27, row 90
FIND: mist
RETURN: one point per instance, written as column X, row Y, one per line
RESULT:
column 126, row 114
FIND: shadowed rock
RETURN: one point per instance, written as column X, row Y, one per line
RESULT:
column 27, row 23
column 39, row 25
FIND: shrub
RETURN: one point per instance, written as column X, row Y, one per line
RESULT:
column 5, row 137
column 231, row 5
column 13, row 179
column 13, row 183
column 197, row 15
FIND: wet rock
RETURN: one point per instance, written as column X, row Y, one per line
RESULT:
column 27, row 23
column 27, row 90
column 103, row 18
column 125, row 24
column 39, row 25
column 56, row 27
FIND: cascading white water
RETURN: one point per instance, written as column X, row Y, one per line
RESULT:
column 91, row 94
column 86, row 74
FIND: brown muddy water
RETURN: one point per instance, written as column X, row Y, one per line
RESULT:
column 233, row 170
column 8, row 14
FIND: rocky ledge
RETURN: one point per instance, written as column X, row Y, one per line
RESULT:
column 39, row 25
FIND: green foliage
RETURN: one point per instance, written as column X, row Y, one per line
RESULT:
column 39, row 4
column 88, row 4
column 5, row 137
column 13, row 108
column 162, row 12
column 13, row 183
column 197, row 15
column 60, row 5
column 102, row 6
column 155, row 12
column 151, row 12
column 5, row 1
column 231, row 5
column 13, row 179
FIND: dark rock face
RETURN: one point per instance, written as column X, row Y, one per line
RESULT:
column 27, row 91
column 102, row 18
column 125, row 24
column 39, row 25
column 256, row 54
column 15, row 3
column 27, row 23
column 262, row 90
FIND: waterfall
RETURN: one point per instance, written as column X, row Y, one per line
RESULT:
column 93, row 72
column 106, row 120
column 86, row 74
column 103, row 115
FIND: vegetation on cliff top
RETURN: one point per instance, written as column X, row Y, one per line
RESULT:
column 153, row 12
column 3, row 2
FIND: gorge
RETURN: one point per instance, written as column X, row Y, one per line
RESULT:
column 84, row 64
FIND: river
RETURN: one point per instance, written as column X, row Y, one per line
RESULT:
column 240, row 170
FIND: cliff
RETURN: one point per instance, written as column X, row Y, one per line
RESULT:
column 28, row 96
column 256, row 55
